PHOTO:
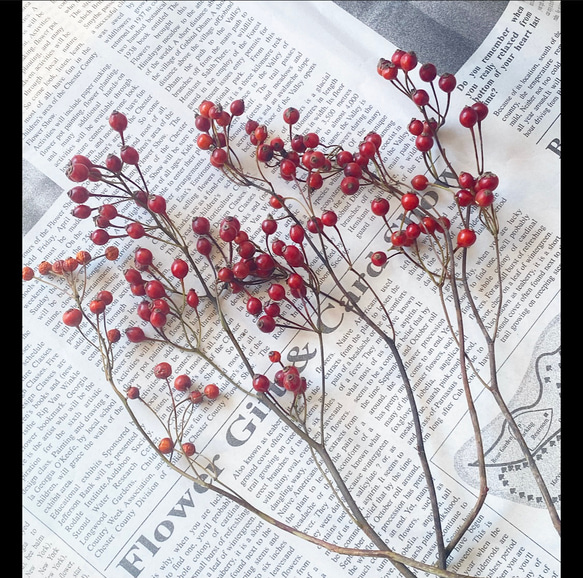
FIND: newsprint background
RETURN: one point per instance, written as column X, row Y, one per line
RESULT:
column 96, row 502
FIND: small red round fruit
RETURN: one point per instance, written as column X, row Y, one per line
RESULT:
column 468, row 117
column 352, row 169
column 447, row 82
column 378, row 258
column 27, row 273
column 464, row 198
column 419, row 182
column 484, row 198
column 96, row 306
column 297, row 233
column 291, row 115
column 118, row 121
column 415, row 127
column 399, row 238
column 100, row 237
column 260, row 383
column 72, row 317
column 466, row 180
column 133, row 392
column 157, row 204
column 315, row 180
column 179, row 268
column 424, row 142
column 466, row 238
column 481, row 109
column 218, row 157
column 204, row 246
column 189, row 449
column 293, row 256
column 427, row 72
column 201, row 225
column 410, row 201
column 77, row 172
column 192, row 298
column 254, row 306
column 135, row 334
column 287, row 168
column 129, row 155
column 488, row 181
column 113, row 335
column 162, row 370
column 408, row 61
column 166, row 445
column 274, row 356
column 420, row 97
column 266, row 323
column 349, row 185
column 204, row 141
column 329, row 218
column 211, row 391
column 79, row 194
column 182, row 382
column 413, row 230
column 343, row 158
column 380, row 206
column 237, row 107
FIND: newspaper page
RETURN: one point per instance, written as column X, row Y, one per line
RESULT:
column 97, row 501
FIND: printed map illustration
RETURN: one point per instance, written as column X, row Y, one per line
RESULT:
column 536, row 407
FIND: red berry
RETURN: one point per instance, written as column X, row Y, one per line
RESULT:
column 415, row 127
column 201, row 225
column 399, row 238
column 179, row 268
column 81, row 212
column 413, row 230
column 349, row 185
column 468, row 117
column 378, row 258
column 118, row 121
column 204, row 141
column 278, row 246
column 291, row 378
column 77, row 172
column 484, row 197
column 189, row 449
column 424, row 142
column 311, row 140
column 408, row 61
column 487, row 181
column 218, row 157
column 447, row 82
column 72, row 317
column 192, row 298
column 352, row 169
column 287, row 168
column 135, row 334
column 78, row 194
column 343, row 158
column 276, row 292
column 237, row 107
column 481, row 110
column 96, row 306
column 166, row 445
column 113, row 335
column 100, row 237
column 269, row 225
column 410, row 201
column 157, row 204
column 427, row 72
column 158, row 319
column 155, row 289
column 420, row 97
column 260, row 383
column 466, row 180
column 380, row 206
column 264, row 153
column 162, row 370
column 329, row 218
column 375, row 138
column 204, row 107
column 464, row 197
column 204, row 246
column 254, row 306
column 315, row 180
column 202, row 123
column 291, row 115
column 133, row 392
column 367, row 149
column 196, row 396
column 419, row 182
column 297, row 233
column 211, row 391
column 293, row 256
column 182, row 382
column 129, row 155
column 273, row 310
column 429, row 225
column 466, row 238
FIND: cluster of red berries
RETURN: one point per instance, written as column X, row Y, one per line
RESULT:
column 286, row 376
column 157, row 305
column 181, row 383
column 81, row 169
column 71, row 269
